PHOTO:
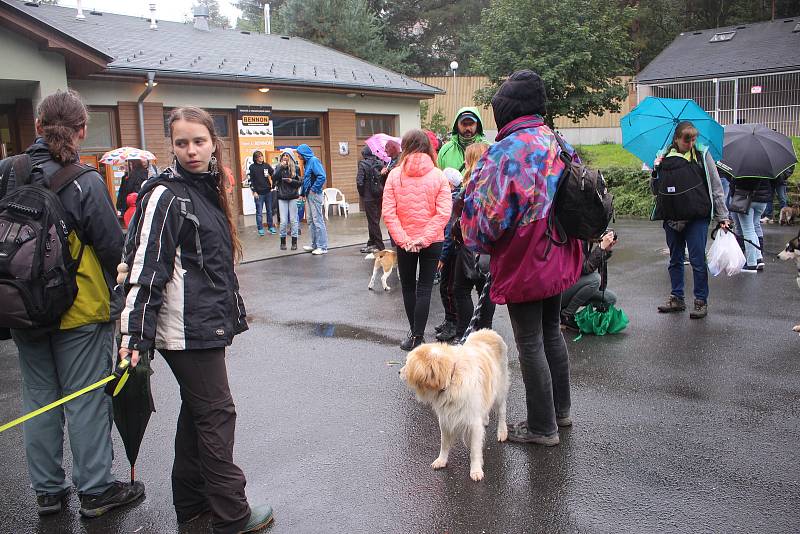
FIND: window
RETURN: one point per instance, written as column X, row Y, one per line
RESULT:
column 220, row 123
column 283, row 126
column 723, row 36
column 99, row 132
column 367, row 125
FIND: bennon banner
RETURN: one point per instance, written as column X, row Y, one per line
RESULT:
column 254, row 126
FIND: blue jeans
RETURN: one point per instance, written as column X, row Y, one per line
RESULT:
column 288, row 211
column 750, row 226
column 316, row 221
column 780, row 191
column 264, row 200
column 693, row 237
column 55, row 364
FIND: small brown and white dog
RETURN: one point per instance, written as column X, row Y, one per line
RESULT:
column 792, row 252
column 386, row 260
column 788, row 215
column 462, row 384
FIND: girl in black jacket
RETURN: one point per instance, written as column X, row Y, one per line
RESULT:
column 287, row 185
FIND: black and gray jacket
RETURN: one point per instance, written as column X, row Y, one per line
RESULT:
column 182, row 291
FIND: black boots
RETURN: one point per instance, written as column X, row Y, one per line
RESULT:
column 294, row 243
column 412, row 342
column 283, row 243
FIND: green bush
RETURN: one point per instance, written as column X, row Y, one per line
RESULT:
column 631, row 190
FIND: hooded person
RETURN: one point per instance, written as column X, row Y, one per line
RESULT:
column 370, row 182
column 467, row 129
column 314, row 179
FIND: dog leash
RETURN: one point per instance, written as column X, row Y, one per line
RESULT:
column 476, row 316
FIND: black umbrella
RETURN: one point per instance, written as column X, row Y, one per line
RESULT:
column 755, row 151
column 133, row 404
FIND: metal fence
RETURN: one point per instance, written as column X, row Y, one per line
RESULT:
column 769, row 99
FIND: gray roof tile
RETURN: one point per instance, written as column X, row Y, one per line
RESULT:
column 756, row 48
column 181, row 50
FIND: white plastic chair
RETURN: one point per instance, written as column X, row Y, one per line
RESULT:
column 334, row 197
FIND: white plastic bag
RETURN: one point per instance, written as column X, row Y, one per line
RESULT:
column 725, row 255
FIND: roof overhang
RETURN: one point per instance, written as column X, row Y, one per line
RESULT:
column 81, row 59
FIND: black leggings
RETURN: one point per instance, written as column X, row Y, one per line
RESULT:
column 417, row 292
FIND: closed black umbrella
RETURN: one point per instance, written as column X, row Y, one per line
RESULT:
column 755, row 151
column 132, row 400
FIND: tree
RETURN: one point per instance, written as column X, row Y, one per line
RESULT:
column 578, row 47
column 346, row 25
column 215, row 17
column 436, row 124
column 252, row 17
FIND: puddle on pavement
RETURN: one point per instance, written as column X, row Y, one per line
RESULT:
column 342, row 331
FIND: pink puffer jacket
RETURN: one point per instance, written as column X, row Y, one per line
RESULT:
column 416, row 201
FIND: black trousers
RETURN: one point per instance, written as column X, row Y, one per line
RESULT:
column 373, row 210
column 417, row 291
column 203, row 474
column 446, row 290
column 462, row 291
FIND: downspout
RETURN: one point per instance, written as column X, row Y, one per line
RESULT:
column 149, row 89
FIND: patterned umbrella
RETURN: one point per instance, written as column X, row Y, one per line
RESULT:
column 123, row 154
column 377, row 143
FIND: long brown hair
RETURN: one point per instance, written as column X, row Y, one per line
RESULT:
column 200, row 116
column 472, row 155
column 59, row 117
column 413, row 142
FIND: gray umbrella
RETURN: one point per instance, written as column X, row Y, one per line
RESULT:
column 755, row 151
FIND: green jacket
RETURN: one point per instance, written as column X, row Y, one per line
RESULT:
column 452, row 153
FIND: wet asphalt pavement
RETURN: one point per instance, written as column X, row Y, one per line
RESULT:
column 680, row 425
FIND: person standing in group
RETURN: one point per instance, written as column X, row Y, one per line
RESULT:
column 369, row 182
column 416, row 208
column 74, row 353
column 183, row 299
column 261, row 184
column 130, row 182
column 689, row 192
column 287, row 185
column 506, row 204
column 758, row 192
column 467, row 129
column 446, row 331
column 314, row 180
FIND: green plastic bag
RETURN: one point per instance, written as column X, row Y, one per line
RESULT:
column 593, row 321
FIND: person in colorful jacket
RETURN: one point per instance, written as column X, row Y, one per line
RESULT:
column 467, row 129
column 416, row 208
column 314, row 179
column 506, row 203
column 62, row 360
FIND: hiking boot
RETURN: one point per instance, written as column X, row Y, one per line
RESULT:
column 260, row 517
column 700, row 309
column 519, row 433
column 564, row 421
column 294, row 243
column 283, row 243
column 51, row 503
column 673, row 304
column 568, row 321
column 447, row 333
column 119, row 494
column 438, row 328
column 412, row 342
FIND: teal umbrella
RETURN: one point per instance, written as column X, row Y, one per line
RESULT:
column 650, row 126
column 599, row 322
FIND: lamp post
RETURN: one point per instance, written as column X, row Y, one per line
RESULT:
column 453, row 67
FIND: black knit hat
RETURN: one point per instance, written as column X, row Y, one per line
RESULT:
column 521, row 94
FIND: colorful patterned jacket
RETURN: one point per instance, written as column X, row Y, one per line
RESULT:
column 506, row 204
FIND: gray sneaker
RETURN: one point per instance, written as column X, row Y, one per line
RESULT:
column 519, row 433
column 51, row 503
column 119, row 494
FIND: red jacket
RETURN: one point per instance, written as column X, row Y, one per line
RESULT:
column 416, row 201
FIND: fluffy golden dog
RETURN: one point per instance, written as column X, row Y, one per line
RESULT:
column 462, row 384
column 386, row 260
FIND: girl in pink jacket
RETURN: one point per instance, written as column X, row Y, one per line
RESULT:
column 416, row 208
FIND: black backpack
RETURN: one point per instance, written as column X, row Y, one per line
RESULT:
column 37, row 272
column 681, row 191
column 583, row 207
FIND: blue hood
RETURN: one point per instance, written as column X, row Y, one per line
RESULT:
column 305, row 152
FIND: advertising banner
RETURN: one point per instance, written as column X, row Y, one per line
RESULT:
column 255, row 133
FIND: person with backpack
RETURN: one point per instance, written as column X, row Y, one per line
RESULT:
column 183, row 300
column 506, row 206
column 74, row 346
column 287, row 189
column 369, row 183
column 688, row 194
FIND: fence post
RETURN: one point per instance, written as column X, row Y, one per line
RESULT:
column 716, row 99
column 736, row 100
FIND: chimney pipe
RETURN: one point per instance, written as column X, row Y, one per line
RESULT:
column 201, row 18
column 80, row 15
column 267, row 21
column 153, row 25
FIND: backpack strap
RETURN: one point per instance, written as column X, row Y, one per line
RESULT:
column 68, row 174
column 21, row 166
column 187, row 214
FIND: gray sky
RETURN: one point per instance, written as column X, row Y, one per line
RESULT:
column 175, row 10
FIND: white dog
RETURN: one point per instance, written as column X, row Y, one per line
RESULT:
column 462, row 384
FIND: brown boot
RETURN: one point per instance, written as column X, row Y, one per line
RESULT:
column 673, row 304
column 700, row 309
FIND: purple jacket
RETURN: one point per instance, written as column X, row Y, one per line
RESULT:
column 506, row 204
